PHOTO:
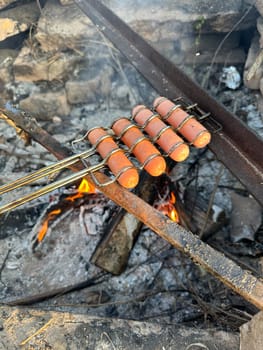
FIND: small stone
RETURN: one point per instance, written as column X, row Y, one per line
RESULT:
column 18, row 19
column 63, row 27
column 6, row 62
column 245, row 217
column 258, row 4
column 87, row 91
column 251, row 333
column 82, row 91
column 57, row 120
column 45, row 106
column 29, row 67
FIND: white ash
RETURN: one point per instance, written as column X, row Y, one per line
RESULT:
column 92, row 222
column 22, row 89
column 217, row 211
column 148, row 243
column 231, row 77
column 255, row 119
column 136, row 280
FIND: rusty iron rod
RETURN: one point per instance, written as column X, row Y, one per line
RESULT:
column 232, row 275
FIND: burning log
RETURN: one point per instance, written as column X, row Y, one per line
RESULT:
column 214, row 262
column 113, row 251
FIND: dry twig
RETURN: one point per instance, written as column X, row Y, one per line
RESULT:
column 40, row 330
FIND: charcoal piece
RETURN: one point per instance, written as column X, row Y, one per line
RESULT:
column 19, row 220
column 197, row 217
column 246, row 218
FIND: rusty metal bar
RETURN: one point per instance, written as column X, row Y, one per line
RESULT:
column 236, row 146
column 232, row 275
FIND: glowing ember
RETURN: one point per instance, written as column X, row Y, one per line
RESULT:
column 42, row 232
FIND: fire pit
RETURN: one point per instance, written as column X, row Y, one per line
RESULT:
column 161, row 279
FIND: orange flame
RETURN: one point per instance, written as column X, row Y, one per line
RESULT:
column 168, row 209
column 171, row 211
column 173, row 215
column 172, row 199
column 84, row 187
column 42, row 232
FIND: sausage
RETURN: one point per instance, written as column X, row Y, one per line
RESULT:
column 187, row 125
column 163, row 135
column 146, row 153
column 119, row 164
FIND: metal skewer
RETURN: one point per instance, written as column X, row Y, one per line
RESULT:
column 51, row 187
column 45, row 171
column 88, row 170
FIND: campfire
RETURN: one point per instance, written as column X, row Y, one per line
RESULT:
column 164, row 204
column 129, row 147
column 140, row 182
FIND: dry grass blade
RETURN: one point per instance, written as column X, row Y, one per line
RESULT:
column 40, row 330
